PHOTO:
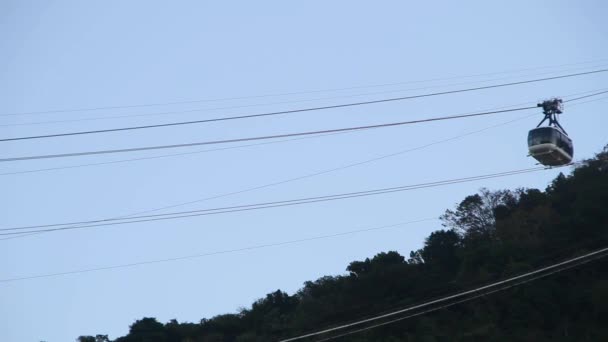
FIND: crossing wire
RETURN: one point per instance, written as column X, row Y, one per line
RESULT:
column 121, row 129
column 285, row 135
column 276, row 136
column 381, row 157
column 165, row 155
column 318, row 173
column 190, row 111
column 227, row 251
column 248, row 207
column 477, row 292
column 594, row 93
column 294, row 93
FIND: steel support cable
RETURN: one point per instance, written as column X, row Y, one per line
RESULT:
column 189, row 111
column 286, row 135
column 589, row 101
column 27, row 234
column 255, row 206
column 211, row 109
column 434, row 292
column 300, row 177
column 223, row 210
column 166, row 155
column 241, row 146
column 121, row 129
column 294, row 93
column 477, row 292
column 256, row 144
column 586, row 96
column 502, row 288
column 276, row 136
column 327, row 171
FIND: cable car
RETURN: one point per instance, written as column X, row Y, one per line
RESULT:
column 550, row 145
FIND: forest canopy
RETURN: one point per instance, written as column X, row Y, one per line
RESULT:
column 488, row 236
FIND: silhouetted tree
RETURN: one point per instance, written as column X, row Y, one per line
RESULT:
column 475, row 216
column 490, row 235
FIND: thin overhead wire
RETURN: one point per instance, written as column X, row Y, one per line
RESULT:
column 227, row 251
column 238, row 117
column 189, row 111
column 331, row 170
column 293, row 93
column 263, row 143
column 198, row 110
column 589, row 101
column 256, row 206
column 276, row 136
column 231, row 147
column 166, row 155
column 477, row 292
column 586, row 96
column 19, row 236
column 326, row 171
column 293, row 179
column 366, row 161
column 502, row 288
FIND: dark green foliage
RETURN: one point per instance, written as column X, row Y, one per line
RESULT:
column 490, row 236
column 97, row 338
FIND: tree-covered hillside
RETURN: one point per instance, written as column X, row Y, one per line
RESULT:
column 488, row 236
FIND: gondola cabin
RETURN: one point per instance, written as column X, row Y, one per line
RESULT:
column 550, row 146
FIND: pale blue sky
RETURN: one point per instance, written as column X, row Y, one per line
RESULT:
column 77, row 54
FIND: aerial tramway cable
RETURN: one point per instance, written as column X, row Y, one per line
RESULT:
column 122, row 129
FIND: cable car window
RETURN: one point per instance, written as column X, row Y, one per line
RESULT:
column 544, row 135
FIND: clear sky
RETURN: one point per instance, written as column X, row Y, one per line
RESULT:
column 80, row 54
